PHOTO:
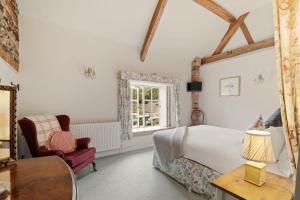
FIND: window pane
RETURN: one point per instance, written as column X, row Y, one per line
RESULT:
column 134, row 107
column 155, row 93
column 155, row 107
column 135, row 120
column 155, row 120
column 148, row 120
column 141, row 121
column 140, row 95
column 141, row 109
column 134, row 94
column 147, row 94
column 147, row 106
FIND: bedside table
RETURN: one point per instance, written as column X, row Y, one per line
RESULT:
column 275, row 188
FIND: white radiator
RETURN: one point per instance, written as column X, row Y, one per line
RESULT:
column 104, row 136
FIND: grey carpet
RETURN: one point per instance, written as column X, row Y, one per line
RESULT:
column 129, row 176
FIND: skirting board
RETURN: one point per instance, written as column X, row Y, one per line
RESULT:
column 120, row 151
column 108, row 153
column 136, row 143
column 133, row 148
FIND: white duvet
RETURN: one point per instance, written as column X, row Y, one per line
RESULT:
column 217, row 148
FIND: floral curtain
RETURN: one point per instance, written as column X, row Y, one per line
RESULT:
column 124, row 108
column 287, row 42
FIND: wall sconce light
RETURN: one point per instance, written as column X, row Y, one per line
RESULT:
column 260, row 79
column 90, row 72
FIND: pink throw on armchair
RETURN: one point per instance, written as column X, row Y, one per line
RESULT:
column 77, row 160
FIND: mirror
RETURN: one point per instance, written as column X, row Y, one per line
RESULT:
column 8, row 140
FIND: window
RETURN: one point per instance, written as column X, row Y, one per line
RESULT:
column 147, row 106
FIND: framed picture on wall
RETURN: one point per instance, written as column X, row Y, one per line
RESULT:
column 230, row 86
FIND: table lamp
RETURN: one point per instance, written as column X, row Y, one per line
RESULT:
column 258, row 150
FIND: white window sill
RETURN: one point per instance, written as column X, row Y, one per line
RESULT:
column 136, row 130
column 147, row 131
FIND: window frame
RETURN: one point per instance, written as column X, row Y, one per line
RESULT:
column 137, row 85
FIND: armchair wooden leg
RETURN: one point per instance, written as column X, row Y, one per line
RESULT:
column 94, row 166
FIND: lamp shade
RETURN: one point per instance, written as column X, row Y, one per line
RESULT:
column 258, row 147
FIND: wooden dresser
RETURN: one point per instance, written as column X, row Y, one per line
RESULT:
column 48, row 178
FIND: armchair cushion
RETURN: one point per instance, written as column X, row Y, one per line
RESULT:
column 82, row 143
column 45, row 152
column 45, row 126
column 63, row 141
column 78, row 157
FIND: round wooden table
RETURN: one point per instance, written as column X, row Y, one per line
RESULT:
column 48, row 178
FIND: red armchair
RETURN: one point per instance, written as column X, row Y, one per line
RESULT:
column 77, row 160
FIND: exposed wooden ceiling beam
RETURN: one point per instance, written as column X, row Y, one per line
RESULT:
column 247, row 33
column 242, row 50
column 152, row 28
column 230, row 32
column 217, row 9
column 224, row 14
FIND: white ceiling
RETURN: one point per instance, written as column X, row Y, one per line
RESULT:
column 239, row 7
column 186, row 29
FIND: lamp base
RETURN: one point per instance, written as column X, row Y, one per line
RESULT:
column 255, row 173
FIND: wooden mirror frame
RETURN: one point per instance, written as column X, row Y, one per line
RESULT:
column 13, row 124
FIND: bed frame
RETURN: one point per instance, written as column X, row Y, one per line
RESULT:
column 194, row 176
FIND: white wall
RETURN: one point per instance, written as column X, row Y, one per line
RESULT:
column 52, row 79
column 7, row 73
column 241, row 111
column 52, row 73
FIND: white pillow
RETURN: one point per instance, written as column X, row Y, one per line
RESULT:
column 284, row 163
column 278, row 139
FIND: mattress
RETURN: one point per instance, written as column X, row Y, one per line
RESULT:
column 217, row 148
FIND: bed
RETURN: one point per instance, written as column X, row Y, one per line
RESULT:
column 207, row 153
